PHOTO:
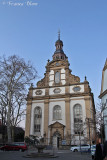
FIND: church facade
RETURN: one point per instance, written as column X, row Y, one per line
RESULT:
column 60, row 107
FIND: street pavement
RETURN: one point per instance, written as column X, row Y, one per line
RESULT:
column 62, row 155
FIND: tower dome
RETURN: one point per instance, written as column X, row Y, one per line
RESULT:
column 59, row 53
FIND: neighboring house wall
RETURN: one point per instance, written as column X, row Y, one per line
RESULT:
column 103, row 97
column 105, row 80
column 104, row 101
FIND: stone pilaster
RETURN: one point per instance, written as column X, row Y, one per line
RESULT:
column 46, row 116
column 47, row 91
column 87, row 106
column 28, row 119
column 67, row 115
column 67, row 89
column 28, row 112
column 90, row 121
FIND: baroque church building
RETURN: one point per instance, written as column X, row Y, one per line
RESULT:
column 60, row 107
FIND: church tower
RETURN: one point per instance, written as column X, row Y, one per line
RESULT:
column 103, row 96
column 61, row 108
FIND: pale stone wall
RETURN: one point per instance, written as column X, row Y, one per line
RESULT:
column 62, row 70
column 51, row 78
column 51, row 72
column 62, row 76
column 51, row 83
column 61, row 103
column 63, row 82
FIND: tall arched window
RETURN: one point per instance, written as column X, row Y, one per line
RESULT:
column 78, row 122
column 57, row 112
column 37, row 119
column 57, row 77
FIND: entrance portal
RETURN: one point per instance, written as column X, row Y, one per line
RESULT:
column 56, row 138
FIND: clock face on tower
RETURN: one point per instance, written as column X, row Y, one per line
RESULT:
column 57, row 77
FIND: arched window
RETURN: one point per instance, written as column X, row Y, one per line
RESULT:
column 57, row 57
column 61, row 57
column 37, row 119
column 57, row 77
column 57, row 112
column 78, row 122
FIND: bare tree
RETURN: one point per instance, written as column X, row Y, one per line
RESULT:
column 15, row 76
column 100, row 119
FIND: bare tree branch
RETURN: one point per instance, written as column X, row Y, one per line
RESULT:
column 15, row 76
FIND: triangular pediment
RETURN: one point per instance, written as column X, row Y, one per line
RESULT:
column 56, row 125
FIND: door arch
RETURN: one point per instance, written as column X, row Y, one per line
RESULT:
column 56, row 138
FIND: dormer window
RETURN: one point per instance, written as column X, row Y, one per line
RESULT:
column 57, row 77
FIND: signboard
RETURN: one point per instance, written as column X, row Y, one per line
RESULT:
column 63, row 142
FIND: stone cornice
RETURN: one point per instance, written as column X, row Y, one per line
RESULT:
column 60, row 85
column 103, row 94
column 60, row 96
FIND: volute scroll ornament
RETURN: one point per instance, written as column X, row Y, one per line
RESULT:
column 38, row 92
column 41, row 83
column 57, row 90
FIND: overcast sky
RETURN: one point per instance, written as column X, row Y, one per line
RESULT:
column 29, row 28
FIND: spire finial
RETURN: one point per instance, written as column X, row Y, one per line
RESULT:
column 59, row 35
column 85, row 78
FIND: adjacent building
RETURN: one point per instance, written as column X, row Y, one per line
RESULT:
column 61, row 108
column 103, row 97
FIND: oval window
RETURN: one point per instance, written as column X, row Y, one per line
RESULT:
column 76, row 89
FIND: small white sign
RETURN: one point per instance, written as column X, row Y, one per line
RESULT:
column 63, row 142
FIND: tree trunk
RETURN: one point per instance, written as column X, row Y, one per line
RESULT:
column 8, row 127
column 13, row 130
column 8, row 119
